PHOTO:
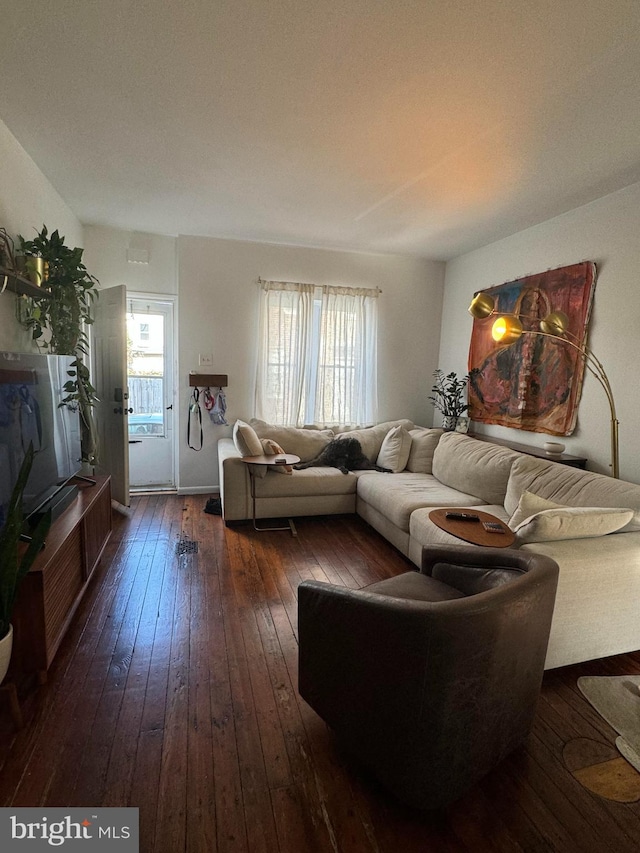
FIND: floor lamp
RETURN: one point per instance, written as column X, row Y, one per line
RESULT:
column 507, row 329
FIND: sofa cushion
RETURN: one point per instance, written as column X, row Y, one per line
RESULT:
column 471, row 580
column 396, row 496
column 246, row 440
column 395, row 448
column 415, row 587
column 423, row 445
column 570, row 487
column 371, row 438
column 309, row 482
column 477, row 467
column 305, row 443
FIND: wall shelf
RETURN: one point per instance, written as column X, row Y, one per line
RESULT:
column 208, row 380
column 21, row 285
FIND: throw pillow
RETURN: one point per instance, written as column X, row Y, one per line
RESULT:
column 571, row 522
column 246, row 440
column 528, row 505
column 395, row 450
column 272, row 448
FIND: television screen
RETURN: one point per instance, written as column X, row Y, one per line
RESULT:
column 31, row 390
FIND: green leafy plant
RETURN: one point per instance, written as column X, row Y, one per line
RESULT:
column 448, row 394
column 58, row 321
column 7, row 257
column 72, row 292
column 16, row 561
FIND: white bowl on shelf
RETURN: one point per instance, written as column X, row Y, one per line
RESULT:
column 553, row 448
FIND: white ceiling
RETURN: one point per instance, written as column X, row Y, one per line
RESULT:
column 427, row 127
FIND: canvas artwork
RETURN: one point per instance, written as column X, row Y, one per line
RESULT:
column 535, row 384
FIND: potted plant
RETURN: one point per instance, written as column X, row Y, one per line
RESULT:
column 15, row 561
column 64, row 315
column 447, row 397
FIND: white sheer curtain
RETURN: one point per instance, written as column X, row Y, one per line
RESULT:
column 346, row 382
column 317, row 354
column 286, row 319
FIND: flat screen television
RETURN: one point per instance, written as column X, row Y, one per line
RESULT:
column 31, row 390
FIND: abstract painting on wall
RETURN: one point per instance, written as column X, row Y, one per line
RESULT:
column 534, row 384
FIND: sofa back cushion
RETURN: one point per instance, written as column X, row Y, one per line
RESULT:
column 371, row 438
column 305, row 443
column 476, row 467
column 571, row 487
column 423, row 445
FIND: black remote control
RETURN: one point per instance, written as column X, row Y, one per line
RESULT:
column 461, row 516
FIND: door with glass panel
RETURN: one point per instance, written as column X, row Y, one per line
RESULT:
column 150, row 374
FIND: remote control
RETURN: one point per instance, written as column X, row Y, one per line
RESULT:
column 461, row 516
column 493, row 527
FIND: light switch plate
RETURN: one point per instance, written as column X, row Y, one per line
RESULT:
column 206, row 360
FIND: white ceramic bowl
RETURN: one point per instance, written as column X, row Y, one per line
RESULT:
column 553, row 448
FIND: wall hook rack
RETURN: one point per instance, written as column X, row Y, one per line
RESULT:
column 208, row 380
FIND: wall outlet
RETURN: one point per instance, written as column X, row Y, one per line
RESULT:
column 205, row 360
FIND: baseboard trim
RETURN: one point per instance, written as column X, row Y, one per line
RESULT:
column 198, row 490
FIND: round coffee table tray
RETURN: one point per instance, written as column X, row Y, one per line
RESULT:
column 473, row 531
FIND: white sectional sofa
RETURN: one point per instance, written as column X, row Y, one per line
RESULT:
column 596, row 612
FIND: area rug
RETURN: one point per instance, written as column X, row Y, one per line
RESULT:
column 600, row 768
column 617, row 699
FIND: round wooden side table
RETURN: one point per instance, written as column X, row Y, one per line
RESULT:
column 473, row 531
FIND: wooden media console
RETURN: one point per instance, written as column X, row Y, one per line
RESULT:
column 55, row 584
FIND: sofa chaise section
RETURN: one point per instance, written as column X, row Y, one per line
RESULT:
column 464, row 473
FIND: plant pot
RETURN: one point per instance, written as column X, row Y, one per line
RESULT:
column 449, row 423
column 35, row 268
column 6, row 645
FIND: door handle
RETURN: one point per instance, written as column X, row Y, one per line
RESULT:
column 170, row 407
column 120, row 411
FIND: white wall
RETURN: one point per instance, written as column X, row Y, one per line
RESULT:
column 605, row 231
column 27, row 201
column 218, row 314
column 106, row 257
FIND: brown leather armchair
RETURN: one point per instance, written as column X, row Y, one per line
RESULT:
column 430, row 678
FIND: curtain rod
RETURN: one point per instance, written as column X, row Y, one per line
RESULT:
column 311, row 284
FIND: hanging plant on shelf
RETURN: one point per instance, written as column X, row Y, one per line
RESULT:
column 58, row 322
column 447, row 397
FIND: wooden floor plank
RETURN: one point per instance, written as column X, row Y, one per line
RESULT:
column 175, row 691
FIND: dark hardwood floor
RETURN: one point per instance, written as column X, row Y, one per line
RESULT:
column 175, row 691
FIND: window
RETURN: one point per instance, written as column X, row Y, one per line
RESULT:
column 144, row 331
column 317, row 354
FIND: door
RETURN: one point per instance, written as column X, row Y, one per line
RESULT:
column 109, row 363
column 150, row 378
